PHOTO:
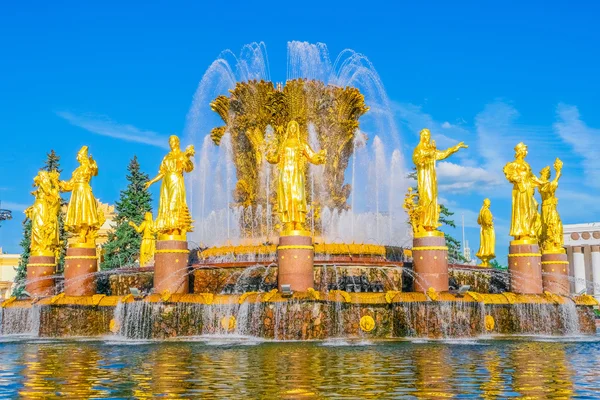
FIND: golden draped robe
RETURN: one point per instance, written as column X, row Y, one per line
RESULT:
column 424, row 157
column 44, row 217
column 291, row 196
column 146, row 228
column 487, row 236
column 552, row 227
column 525, row 220
column 173, row 212
column 82, row 212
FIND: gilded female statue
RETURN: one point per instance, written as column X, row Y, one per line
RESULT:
column 290, row 155
column 551, row 237
column 487, row 236
column 425, row 156
column 83, row 217
column 173, row 220
column 525, row 221
column 146, row 228
column 44, row 214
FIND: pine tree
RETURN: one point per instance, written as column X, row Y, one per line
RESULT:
column 454, row 254
column 123, row 245
column 25, row 243
column 52, row 163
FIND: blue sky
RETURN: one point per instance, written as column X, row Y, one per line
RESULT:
column 488, row 73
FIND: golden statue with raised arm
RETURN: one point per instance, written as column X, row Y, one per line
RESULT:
column 487, row 236
column 424, row 157
column 44, row 214
column 173, row 220
column 290, row 155
column 551, row 238
column 83, row 217
column 525, row 222
column 146, row 228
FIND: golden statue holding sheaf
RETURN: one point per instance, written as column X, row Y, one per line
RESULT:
column 526, row 221
column 83, row 218
column 290, row 155
column 44, row 214
column 487, row 236
column 551, row 238
column 174, row 219
column 424, row 157
column 146, row 228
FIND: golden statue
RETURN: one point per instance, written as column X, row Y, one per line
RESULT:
column 551, row 238
column 44, row 214
column 146, row 228
column 290, row 155
column 525, row 222
column 173, row 220
column 83, row 217
column 424, row 157
column 487, row 236
column 412, row 209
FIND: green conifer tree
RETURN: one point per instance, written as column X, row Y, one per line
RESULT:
column 123, row 245
column 52, row 163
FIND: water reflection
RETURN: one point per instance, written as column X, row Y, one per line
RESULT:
column 220, row 369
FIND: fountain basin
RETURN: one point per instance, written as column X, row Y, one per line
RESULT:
column 305, row 316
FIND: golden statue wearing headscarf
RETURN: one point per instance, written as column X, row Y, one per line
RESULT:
column 525, row 222
column 551, row 238
column 148, row 245
column 424, row 157
column 487, row 236
column 44, row 214
column 290, row 155
column 83, row 218
column 173, row 220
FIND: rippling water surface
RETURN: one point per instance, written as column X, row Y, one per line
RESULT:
column 221, row 367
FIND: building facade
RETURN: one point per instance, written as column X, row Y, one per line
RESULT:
column 582, row 242
column 8, row 272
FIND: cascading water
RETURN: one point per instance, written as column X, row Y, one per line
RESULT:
column 20, row 321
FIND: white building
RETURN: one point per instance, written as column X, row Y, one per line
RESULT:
column 8, row 272
column 582, row 242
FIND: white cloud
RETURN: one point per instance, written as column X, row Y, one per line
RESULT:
column 494, row 127
column 102, row 125
column 458, row 178
column 415, row 119
column 583, row 140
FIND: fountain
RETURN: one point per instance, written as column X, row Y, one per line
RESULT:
column 312, row 246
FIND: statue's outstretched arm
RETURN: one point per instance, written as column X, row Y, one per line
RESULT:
column 315, row 158
column 443, row 154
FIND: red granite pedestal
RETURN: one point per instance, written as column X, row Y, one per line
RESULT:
column 81, row 265
column 170, row 266
column 40, row 272
column 555, row 273
column 295, row 256
column 525, row 267
column 430, row 263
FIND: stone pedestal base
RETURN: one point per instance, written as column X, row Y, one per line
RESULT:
column 171, row 266
column 555, row 273
column 295, row 256
column 40, row 272
column 430, row 263
column 81, row 265
column 525, row 266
